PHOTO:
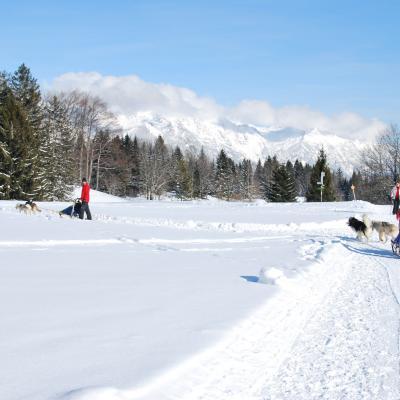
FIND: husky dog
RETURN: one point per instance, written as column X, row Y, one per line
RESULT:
column 384, row 229
column 35, row 208
column 26, row 208
column 362, row 229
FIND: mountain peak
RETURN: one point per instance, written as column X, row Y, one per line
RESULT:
column 244, row 140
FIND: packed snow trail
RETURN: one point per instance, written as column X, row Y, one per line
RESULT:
column 334, row 335
column 350, row 347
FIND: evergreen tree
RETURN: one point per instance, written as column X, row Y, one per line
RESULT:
column 342, row 187
column 134, row 165
column 259, row 179
column 283, row 187
column 174, row 182
column 314, row 190
column 15, row 132
column 225, row 176
column 196, row 183
column 184, row 180
column 5, row 155
column 299, row 178
column 205, row 180
column 246, row 183
column 27, row 93
column 56, row 161
column 270, row 166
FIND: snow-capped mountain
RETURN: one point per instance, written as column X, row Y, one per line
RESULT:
column 243, row 140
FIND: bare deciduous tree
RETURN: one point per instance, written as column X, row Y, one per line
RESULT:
column 89, row 116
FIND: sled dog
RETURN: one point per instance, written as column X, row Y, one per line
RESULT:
column 28, row 208
column 25, row 208
column 384, row 230
column 35, row 208
column 362, row 229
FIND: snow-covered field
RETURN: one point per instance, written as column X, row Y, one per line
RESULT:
column 197, row 300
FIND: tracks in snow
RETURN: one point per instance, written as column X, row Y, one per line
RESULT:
column 350, row 347
column 336, row 339
column 333, row 334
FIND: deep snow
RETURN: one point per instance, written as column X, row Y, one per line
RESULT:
column 162, row 300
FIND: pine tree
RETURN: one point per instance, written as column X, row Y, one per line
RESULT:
column 66, row 174
column 225, row 176
column 56, row 157
column 205, row 180
column 5, row 155
column 246, row 183
column 259, row 180
column 283, row 187
column 184, row 180
column 270, row 166
column 299, row 178
column 174, row 181
column 196, row 183
column 134, row 165
column 27, row 93
column 314, row 190
column 15, row 132
column 341, row 184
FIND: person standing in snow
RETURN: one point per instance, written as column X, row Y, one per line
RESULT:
column 395, row 196
column 85, row 200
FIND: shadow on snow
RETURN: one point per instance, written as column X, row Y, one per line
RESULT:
column 371, row 251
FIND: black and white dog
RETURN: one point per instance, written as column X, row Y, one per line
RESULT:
column 362, row 228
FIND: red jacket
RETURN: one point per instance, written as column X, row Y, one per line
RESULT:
column 85, row 192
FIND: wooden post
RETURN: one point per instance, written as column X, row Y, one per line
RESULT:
column 354, row 193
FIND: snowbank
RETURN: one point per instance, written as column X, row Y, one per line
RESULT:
column 99, row 197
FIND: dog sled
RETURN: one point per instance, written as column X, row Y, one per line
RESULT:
column 73, row 210
column 396, row 246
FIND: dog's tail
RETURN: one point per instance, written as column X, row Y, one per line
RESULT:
column 367, row 221
column 368, row 224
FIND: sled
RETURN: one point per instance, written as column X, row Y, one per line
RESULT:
column 396, row 248
column 73, row 210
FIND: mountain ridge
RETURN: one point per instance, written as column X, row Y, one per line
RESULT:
column 244, row 140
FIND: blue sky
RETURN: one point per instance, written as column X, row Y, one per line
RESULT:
column 332, row 56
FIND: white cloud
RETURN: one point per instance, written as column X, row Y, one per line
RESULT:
column 129, row 94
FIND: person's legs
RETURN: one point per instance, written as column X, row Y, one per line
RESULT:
column 82, row 210
column 88, row 213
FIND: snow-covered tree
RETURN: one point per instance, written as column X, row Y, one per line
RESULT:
column 56, row 159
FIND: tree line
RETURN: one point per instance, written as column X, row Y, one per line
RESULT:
column 48, row 143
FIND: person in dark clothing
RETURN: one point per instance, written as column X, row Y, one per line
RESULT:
column 85, row 196
column 395, row 196
column 72, row 211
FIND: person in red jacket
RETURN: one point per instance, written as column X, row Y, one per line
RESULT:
column 85, row 196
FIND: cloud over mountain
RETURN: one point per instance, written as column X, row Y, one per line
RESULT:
column 127, row 95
